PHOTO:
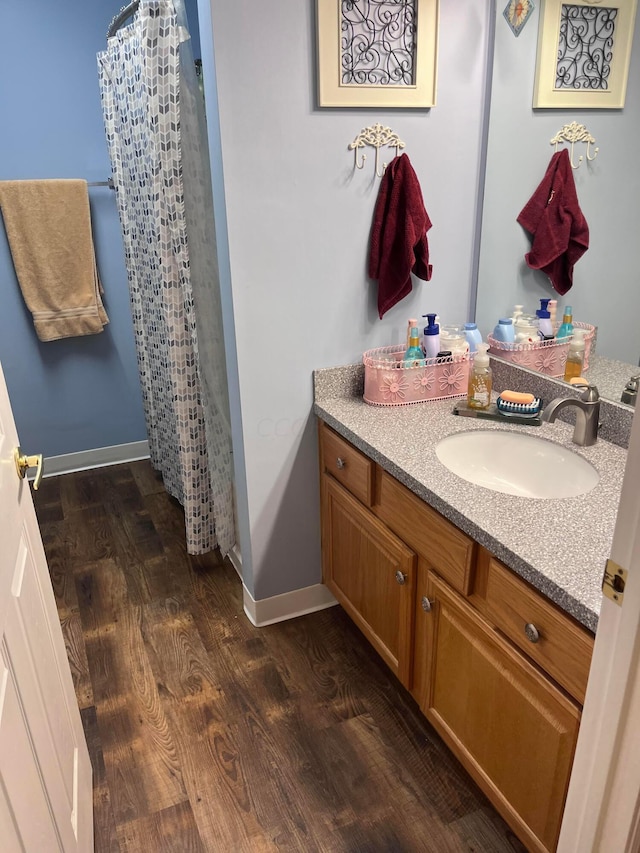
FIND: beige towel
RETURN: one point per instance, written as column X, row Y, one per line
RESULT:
column 49, row 229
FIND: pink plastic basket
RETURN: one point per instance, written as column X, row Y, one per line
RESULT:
column 388, row 383
column 547, row 357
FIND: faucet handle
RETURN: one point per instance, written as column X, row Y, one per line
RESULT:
column 590, row 393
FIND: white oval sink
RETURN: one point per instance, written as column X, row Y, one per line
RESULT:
column 517, row 464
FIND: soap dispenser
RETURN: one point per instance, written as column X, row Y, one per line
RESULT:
column 544, row 320
column 479, row 394
column 431, row 336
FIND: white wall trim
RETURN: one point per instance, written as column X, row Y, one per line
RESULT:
column 278, row 608
column 116, row 454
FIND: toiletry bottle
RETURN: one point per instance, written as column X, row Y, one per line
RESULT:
column 413, row 357
column 575, row 356
column 412, row 323
column 473, row 336
column 544, row 321
column 504, row 331
column 552, row 308
column 566, row 329
column 479, row 394
column 526, row 329
column 431, row 336
column 517, row 312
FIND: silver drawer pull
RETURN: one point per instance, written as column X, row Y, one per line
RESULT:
column 426, row 604
column 401, row 577
column 531, row 632
column 340, row 462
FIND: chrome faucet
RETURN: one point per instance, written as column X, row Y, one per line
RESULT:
column 587, row 417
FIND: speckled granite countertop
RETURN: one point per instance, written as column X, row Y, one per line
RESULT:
column 559, row 546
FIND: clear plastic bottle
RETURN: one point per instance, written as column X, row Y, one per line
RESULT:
column 575, row 356
column 479, row 394
column 410, row 325
column 413, row 357
column 566, row 329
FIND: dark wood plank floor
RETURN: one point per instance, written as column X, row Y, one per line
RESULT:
column 207, row 734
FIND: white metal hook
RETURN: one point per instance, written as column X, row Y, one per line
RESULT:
column 580, row 158
column 364, row 157
column 573, row 133
column 377, row 136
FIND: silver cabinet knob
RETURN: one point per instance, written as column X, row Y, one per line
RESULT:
column 531, row 632
column 340, row 462
column 426, row 604
column 401, row 577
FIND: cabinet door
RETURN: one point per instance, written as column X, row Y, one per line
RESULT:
column 513, row 730
column 371, row 573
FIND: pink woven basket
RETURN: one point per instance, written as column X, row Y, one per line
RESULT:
column 388, row 383
column 547, row 357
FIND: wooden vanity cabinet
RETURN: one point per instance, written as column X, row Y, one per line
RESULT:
column 372, row 574
column 498, row 669
column 510, row 726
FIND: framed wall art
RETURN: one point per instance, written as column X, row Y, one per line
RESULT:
column 377, row 53
column 584, row 48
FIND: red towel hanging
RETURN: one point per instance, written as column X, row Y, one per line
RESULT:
column 560, row 231
column 399, row 234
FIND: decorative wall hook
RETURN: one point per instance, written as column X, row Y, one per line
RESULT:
column 377, row 136
column 573, row 133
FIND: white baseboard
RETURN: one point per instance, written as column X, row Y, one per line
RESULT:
column 278, row 608
column 67, row 463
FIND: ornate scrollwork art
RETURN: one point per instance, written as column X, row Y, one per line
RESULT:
column 378, row 42
column 585, row 47
column 584, row 53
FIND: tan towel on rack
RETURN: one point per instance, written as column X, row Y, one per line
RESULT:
column 49, row 229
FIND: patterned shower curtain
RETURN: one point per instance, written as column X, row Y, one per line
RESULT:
column 154, row 120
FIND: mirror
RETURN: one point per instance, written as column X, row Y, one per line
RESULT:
column 606, row 286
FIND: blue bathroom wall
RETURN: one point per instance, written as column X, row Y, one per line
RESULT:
column 79, row 393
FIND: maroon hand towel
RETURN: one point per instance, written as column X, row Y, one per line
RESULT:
column 560, row 231
column 399, row 234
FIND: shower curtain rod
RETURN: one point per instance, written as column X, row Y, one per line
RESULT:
column 108, row 183
column 119, row 19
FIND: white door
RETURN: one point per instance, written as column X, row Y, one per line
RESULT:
column 45, row 772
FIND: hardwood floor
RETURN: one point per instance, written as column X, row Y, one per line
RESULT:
column 207, row 734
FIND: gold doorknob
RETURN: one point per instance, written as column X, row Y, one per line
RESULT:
column 23, row 463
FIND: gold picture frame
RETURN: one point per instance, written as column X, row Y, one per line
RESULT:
column 335, row 91
column 572, row 75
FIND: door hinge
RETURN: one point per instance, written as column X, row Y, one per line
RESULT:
column 614, row 582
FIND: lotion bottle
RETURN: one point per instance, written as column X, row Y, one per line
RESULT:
column 410, row 325
column 479, row 394
column 413, row 357
column 431, row 336
column 566, row 329
column 473, row 336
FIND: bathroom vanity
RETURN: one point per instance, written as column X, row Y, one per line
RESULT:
column 484, row 605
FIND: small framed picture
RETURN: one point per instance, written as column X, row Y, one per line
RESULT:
column 377, row 53
column 584, row 49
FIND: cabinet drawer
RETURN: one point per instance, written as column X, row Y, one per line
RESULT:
column 547, row 635
column 350, row 467
column 443, row 546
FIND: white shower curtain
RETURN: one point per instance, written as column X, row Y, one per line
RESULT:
column 155, row 127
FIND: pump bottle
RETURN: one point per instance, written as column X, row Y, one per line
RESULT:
column 479, row 395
